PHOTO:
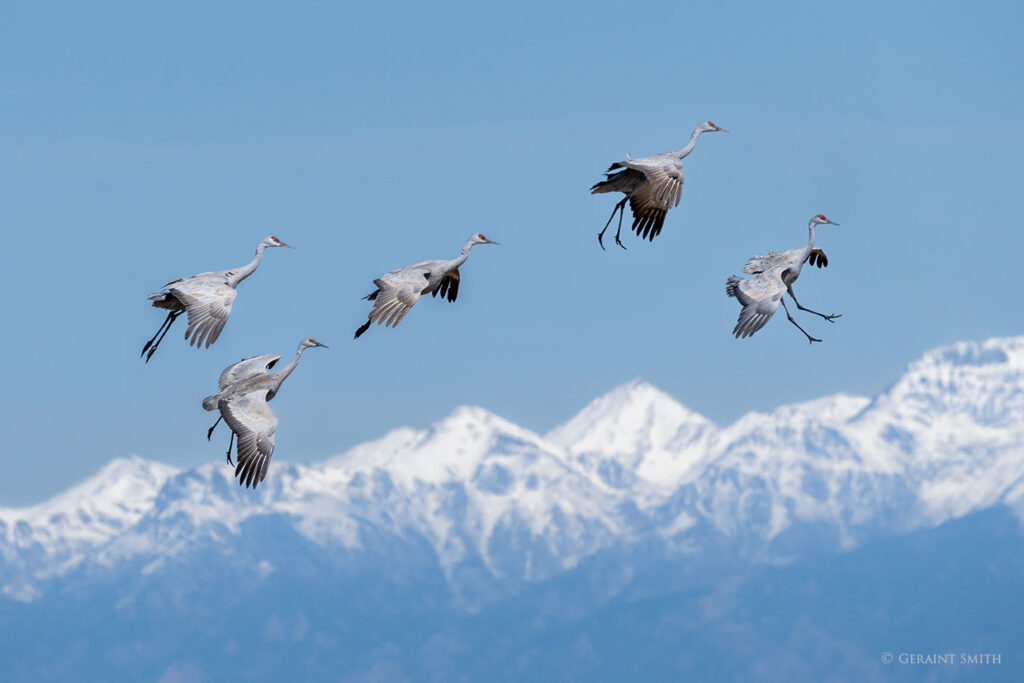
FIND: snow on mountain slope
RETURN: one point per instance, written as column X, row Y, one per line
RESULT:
column 944, row 440
column 637, row 433
column 56, row 535
column 492, row 499
column 952, row 425
column 793, row 464
column 476, row 487
column 474, row 483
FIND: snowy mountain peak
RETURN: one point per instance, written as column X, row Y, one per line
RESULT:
column 118, row 491
column 479, row 422
column 56, row 535
column 451, row 448
column 981, row 381
column 636, row 431
column 996, row 351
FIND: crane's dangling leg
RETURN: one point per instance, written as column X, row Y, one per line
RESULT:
column 831, row 318
column 620, row 207
column 231, row 442
column 153, row 343
column 209, row 432
column 809, row 337
column 622, row 210
column 162, row 326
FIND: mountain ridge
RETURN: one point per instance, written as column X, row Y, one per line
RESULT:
column 505, row 506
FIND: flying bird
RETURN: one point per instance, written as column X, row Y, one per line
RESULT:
column 652, row 186
column 775, row 273
column 207, row 299
column 397, row 291
column 245, row 389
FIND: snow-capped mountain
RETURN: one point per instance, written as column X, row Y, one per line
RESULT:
column 500, row 506
column 638, row 436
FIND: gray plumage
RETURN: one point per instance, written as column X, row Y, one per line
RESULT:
column 399, row 290
column 652, row 186
column 245, row 389
column 206, row 298
column 774, row 275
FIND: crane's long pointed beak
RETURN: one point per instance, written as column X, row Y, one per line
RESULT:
column 493, row 242
column 285, row 244
column 721, row 130
column 833, row 223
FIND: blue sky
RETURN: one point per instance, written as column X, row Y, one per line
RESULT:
column 140, row 142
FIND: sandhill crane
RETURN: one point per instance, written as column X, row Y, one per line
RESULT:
column 207, row 299
column 652, row 186
column 775, row 273
column 245, row 389
column 398, row 290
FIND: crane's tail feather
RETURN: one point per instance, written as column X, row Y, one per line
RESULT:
column 166, row 301
column 609, row 184
column 732, row 287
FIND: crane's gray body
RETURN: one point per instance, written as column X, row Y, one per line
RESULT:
column 245, row 389
column 653, row 185
column 207, row 298
column 774, row 275
column 399, row 290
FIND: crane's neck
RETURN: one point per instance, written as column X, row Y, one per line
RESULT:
column 810, row 234
column 690, row 145
column 278, row 378
column 249, row 268
column 461, row 258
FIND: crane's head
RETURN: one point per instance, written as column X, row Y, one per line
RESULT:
column 309, row 343
column 480, row 239
column 708, row 127
column 272, row 241
column 820, row 220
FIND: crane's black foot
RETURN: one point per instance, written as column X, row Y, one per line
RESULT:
column 230, row 462
column 811, row 339
column 600, row 240
column 619, row 242
column 832, row 318
column 209, row 432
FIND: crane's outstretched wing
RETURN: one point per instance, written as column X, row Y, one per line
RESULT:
column 787, row 258
column 397, row 292
column 208, row 303
column 759, row 297
column 254, row 424
column 651, row 202
column 449, row 287
column 648, row 215
column 246, row 368
column 817, row 258
column 760, row 263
